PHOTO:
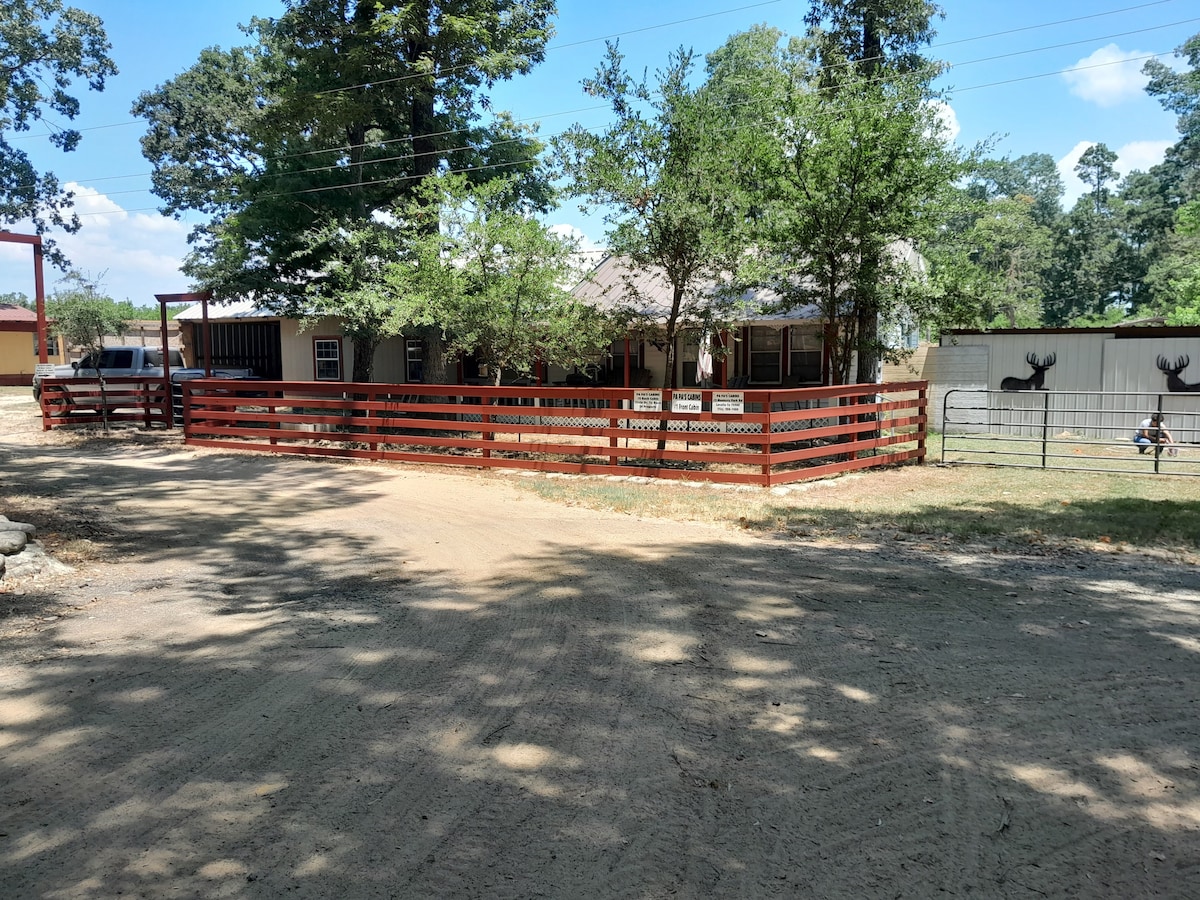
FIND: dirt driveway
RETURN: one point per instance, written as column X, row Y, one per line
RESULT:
column 277, row 678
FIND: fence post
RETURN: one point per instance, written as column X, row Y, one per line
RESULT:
column 1045, row 424
column 923, row 428
column 1158, row 437
column 485, row 418
column 768, row 430
column 613, row 441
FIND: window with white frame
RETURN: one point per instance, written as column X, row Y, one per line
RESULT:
column 805, row 359
column 689, row 354
column 51, row 344
column 766, row 354
column 414, row 362
column 327, row 358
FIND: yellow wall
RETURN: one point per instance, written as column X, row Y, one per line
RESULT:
column 17, row 356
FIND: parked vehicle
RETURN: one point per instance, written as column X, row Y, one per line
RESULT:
column 136, row 362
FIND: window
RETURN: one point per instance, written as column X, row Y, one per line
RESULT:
column 616, row 360
column 414, row 362
column 327, row 359
column 766, row 351
column 688, row 355
column 51, row 345
column 109, row 359
column 806, row 356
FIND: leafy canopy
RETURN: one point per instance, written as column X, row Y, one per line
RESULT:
column 45, row 47
column 661, row 170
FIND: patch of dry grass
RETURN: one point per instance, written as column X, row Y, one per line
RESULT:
column 957, row 503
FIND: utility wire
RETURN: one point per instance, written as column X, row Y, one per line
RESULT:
column 395, row 179
column 706, row 16
column 409, row 138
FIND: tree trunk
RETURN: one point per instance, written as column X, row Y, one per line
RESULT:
column 364, row 358
column 433, row 355
column 868, row 344
column 669, row 377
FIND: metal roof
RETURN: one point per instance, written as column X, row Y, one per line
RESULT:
column 617, row 283
column 236, row 309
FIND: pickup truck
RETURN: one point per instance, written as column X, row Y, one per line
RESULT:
column 139, row 362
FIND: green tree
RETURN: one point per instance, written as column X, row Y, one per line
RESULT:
column 504, row 294
column 857, row 44
column 1095, row 169
column 45, row 47
column 1143, row 218
column 1081, row 280
column 84, row 316
column 489, row 277
column 335, row 115
column 845, row 181
column 871, row 35
column 1176, row 276
column 661, row 170
column 1034, row 175
column 994, row 268
column 1179, row 92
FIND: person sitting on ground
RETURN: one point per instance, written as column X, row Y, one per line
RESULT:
column 1154, row 431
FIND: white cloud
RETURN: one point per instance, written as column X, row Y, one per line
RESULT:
column 584, row 244
column 1136, row 155
column 949, row 120
column 1141, row 155
column 92, row 204
column 1108, row 77
column 134, row 256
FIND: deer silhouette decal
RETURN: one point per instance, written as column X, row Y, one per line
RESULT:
column 1175, row 384
column 1036, row 381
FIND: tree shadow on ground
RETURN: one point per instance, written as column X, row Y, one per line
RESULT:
column 693, row 717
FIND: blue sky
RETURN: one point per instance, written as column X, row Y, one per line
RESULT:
column 1036, row 77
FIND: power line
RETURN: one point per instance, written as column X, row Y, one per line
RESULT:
column 1111, row 12
column 409, row 138
column 533, row 160
column 698, row 18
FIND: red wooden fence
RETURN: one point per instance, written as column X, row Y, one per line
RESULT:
column 80, row 401
column 762, row 437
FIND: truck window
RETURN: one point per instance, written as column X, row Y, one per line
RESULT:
column 108, row 359
column 116, row 359
column 155, row 358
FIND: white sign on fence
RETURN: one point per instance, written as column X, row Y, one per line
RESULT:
column 647, row 401
column 729, row 403
column 44, row 370
column 687, row 402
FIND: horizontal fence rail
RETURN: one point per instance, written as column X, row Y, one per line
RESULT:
column 85, row 401
column 1083, row 431
column 762, row 437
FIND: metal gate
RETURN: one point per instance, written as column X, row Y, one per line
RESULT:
column 1083, row 431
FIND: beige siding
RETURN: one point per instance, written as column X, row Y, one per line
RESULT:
column 296, row 348
column 17, row 356
column 389, row 361
column 963, row 369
